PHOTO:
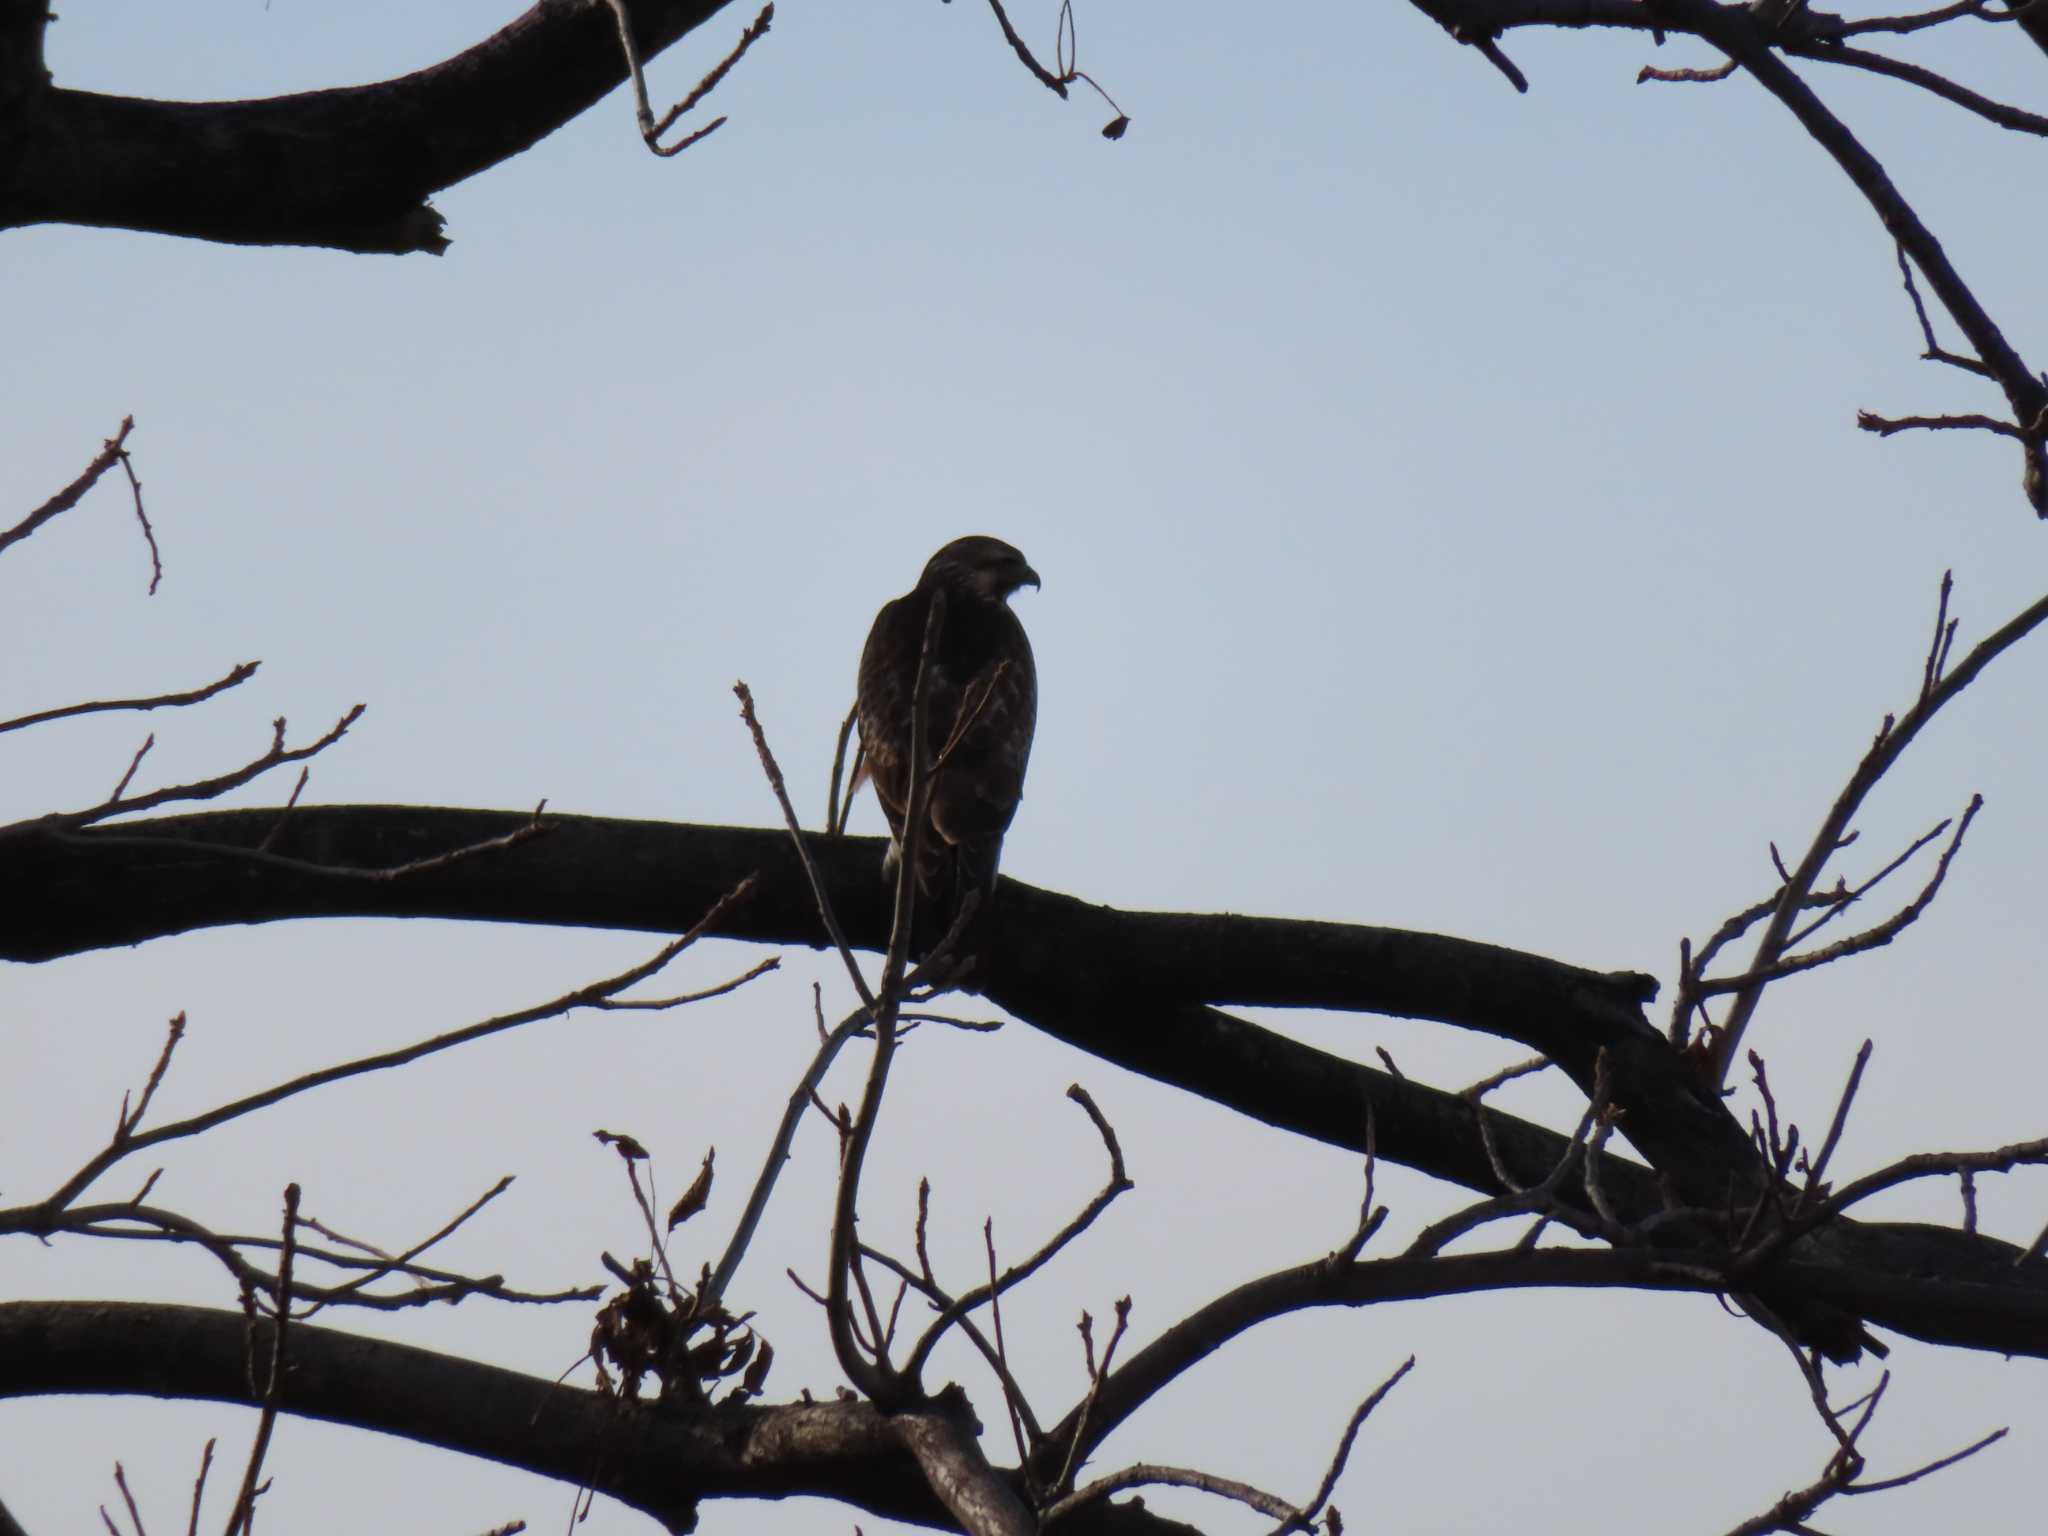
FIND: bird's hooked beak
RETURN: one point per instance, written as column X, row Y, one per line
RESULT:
column 1027, row 577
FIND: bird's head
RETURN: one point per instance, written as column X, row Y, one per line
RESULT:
column 987, row 568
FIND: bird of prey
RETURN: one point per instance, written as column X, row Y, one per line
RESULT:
column 982, row 693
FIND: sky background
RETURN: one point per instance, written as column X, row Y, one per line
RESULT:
column 1451, row 516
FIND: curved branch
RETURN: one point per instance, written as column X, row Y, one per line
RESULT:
column 1127, row 986
column 1321, row 1284
column 349, row 168
column 662, row 1462
column 1119, row 985
column 1735, row 32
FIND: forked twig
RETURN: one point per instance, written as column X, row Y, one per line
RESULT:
column 650, row 130
column 1118, row 1183
column 580, row 997
column 1892, row 739
column 114, row 451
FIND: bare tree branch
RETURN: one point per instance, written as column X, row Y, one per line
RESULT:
column 848, row 1451
column 241, row 674
column 350, row 168
column 114, row 451
column 1892, row 740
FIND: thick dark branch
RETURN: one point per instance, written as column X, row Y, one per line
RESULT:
column 1128, row 986
column 1124, row 986
column 349, row 168
column 662, row 1462
column 982, row 1500
column 1320, row 1284
column 22, row 73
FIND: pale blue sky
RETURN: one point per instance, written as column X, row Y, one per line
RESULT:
column 1451, row 516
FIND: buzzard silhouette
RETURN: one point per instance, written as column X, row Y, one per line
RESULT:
column 983, row 700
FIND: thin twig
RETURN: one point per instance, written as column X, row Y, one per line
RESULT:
column 659, row 1004
column 110, row 454
column 1736, row 33
column 1686, row 76
column 1834, row 903
column 1364, row 1410
column 1064, row 1483
column 128, row 1498
column 876, row 1378
column 650, row 130
column 1505, row 1075
column 1039, row 72
column 801, row 1097
column 1117, row 1183
column 1876, row 762
column 834, row 819
column 1915, row 22
column 1152, row 1474
column 936, row 1294
column 995, row 1315
column 1931, row 1467
column 803, row 852
column 242, row 1517
column 241, row 674
column 578, row 998
column 1857, row 943
column 1935, row 352
column 199, row 1488
column 199, row 789
column 1885, row 426
column 2015, row 118
column 128, row 1221
column 130, row 1119
column 397, row 1261
column 1827, row 1147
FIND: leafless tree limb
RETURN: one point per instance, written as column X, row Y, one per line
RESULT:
column 1892, row 740
column 1118, row 1183
column 1149, row 1474
column 119, row 803
column 242, row 1516
column 1841, row 1119
column 25, row 1218
column 796, row 836
column 927, row 1286
column 114, row 451
column 199, row 1488
column 241, row 674
column 836, row 810
column 1738, row 35
column 1917, row 21
column 135, row 1221
column 1712, row 76
column 348, row 168
column 1885, row 426
column 974, row 1493
column 1305, row 1516
column 1857, row 943
column 650, row 130
column 2015, row 118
